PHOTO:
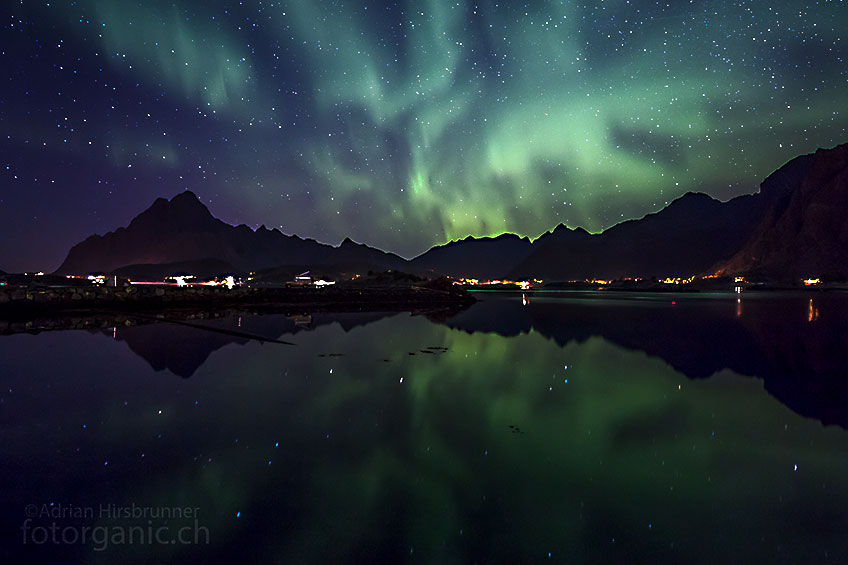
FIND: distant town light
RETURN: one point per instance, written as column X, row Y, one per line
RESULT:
column 677, row 280
column 811, row 282
column 524, row 285
column 181, row 280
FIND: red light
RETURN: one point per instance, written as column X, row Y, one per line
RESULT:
column 673, row 302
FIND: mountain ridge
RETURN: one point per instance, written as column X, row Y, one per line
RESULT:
column 695, row 234
column 183, row 229
column 803, row 233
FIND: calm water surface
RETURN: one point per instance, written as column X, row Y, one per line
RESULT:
column 568, row 427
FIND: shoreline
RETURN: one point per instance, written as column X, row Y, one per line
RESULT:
column 36, row 322
column 28, row 299
column 35, row 309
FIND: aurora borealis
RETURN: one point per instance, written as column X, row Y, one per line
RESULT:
column 401, row 125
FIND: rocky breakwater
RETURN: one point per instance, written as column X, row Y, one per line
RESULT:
column 14, row 297
column 28, row 298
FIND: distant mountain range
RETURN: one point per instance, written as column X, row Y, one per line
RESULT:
column 182, row 235
column 793, row 227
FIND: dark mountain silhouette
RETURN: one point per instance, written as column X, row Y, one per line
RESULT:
column 804, row 233
column 359, row 255
column 685, row 238
column 183, row 230
column 792, row 227
column 484, row 258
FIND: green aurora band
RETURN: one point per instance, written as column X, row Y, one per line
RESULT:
column 407, row 125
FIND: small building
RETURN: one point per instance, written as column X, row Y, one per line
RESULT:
column 303, row 279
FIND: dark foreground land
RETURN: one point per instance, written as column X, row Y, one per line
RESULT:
column 17, row 301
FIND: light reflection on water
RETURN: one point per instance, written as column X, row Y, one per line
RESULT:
column 628, row 429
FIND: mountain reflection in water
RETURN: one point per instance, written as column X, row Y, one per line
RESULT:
column 794, row 342
column 558, row 427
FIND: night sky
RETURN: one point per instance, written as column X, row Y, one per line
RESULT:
column 401, row 125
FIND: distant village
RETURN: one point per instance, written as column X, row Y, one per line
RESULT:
column 307, row 279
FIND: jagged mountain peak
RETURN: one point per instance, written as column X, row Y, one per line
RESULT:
column 184, row 212
column 563, row 229
column 799, row 207
column 186, row 196
column 183, row 229
column 691, row 197
column 186, row 202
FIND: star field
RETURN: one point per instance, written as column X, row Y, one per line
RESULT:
column 401, row 125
